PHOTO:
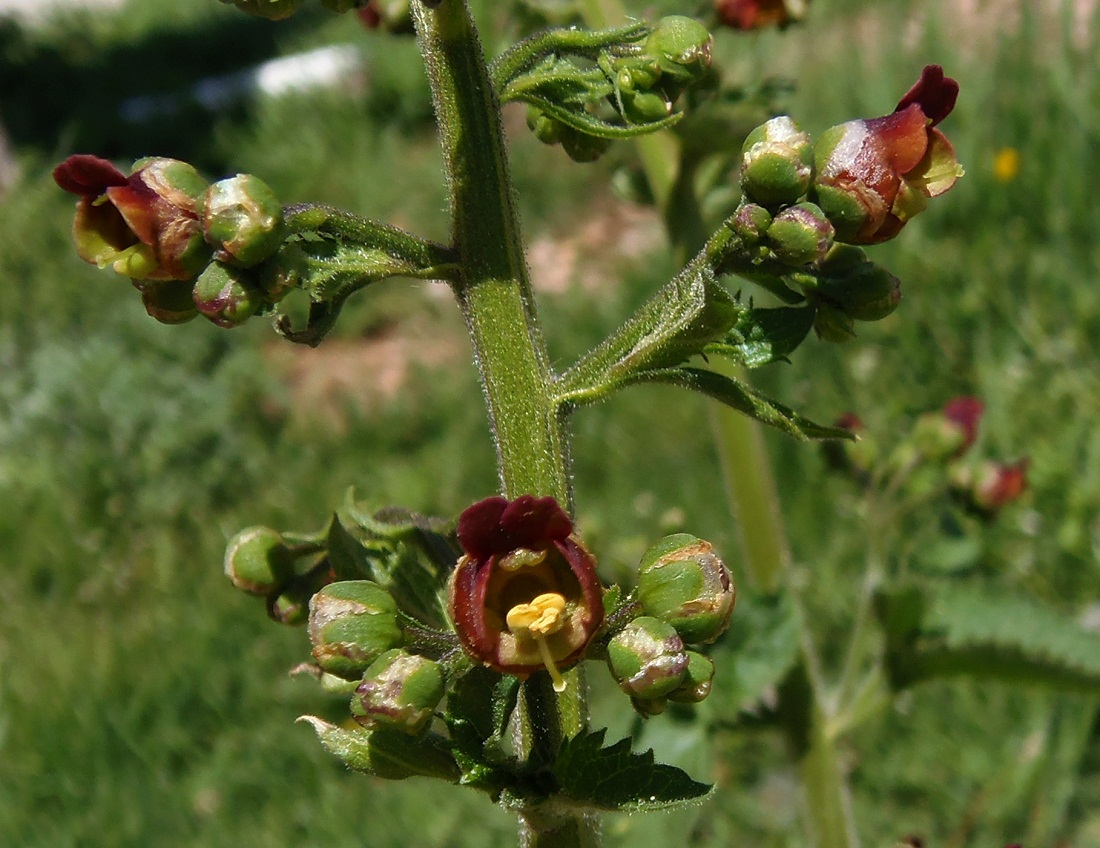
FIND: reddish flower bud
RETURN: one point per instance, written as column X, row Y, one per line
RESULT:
column 525, row 596
column 144, row 226
column 758, row 14
column 874, row 175
column 988, row 487
column 966, row 413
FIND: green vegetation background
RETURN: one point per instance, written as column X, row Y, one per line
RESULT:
column 143, row 702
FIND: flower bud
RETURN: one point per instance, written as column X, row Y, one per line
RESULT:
column 257, row 560
column 243, row 220
column 683, row 583
column 751, row 222
column 758, row 14
column 643, row 107
column 351, row 624
column 581, row 147
column 697, row 681
column 860, row 289
column 647, row 658
column 168, row 301
column 546, row 129
column 950, row 432
column 873, row 175
column 291, row 605
column 525, row 596
column 273, row 10
column 832, row 325
column 399, row 690
column 227, row 296
column 800, row 234
column 989, row 486
column 681, row 47
column 144, row 226
column 776, row 163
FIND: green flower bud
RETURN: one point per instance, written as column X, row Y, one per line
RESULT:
column 777, row 163
column 257, row 560
column 860, row 289
column 643, row 107
column 351, row 624
column 399, row 690
column 581, row 147
column 168, row 301
column 283, row 272
column 832, row 325
column 227, row 296
column 242, row 220
column 697, row 681
column 546, row 129
column 751, row 222
column 273, row 10
column 647, row 658
column 291, row 605
column 800, row 234
column 683, row 583
column 681, row 47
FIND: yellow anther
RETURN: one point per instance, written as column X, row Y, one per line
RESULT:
column 539, row 619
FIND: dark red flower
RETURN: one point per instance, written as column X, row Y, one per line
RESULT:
column 873, row 175
column 966, row 413
column 144, row 226
column 753, row 14
column 525, row 596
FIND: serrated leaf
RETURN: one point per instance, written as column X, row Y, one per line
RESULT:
column 761, row 647
column 387, row 753
column 744, row 399
column 479, row 707
column 763, row 336
column 986, row 634
column 614, row 778
column 672, row 326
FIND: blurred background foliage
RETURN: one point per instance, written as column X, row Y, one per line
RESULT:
column 144, row 702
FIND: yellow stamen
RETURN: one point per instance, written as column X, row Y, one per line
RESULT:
column 539, row 619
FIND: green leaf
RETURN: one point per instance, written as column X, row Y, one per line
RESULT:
column 584, row 121
column 744, row 399
column 959, row 630
column 672, row 326
column 400, row 550
column 757, row 653
column 614, row 778
column 479, row 707
column 763, row 336
column 389, row 754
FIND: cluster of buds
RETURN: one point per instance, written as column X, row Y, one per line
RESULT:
column 524, row 598
column 860, row 182
column 937, row 448
column 645, row 78
column 686, row 597
column 190, row 247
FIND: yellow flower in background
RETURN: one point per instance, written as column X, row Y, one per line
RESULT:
column 1006, row 164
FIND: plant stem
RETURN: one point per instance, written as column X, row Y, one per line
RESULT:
column 493, row 290
column 496, row 300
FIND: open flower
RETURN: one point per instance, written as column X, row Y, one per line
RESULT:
column 873, row 175
column 525, row 596
column 144, row 226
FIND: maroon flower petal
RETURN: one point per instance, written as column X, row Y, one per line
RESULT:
column 87, row 175
column 933, row 92
column 495, row 526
